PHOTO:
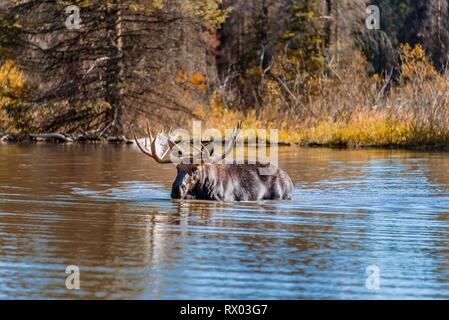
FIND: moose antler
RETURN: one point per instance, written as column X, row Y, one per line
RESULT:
column 156, row 145
column 205, row 153
column 229, row 146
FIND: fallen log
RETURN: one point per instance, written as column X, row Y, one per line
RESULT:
column 117, row 140
column 50, row 137
column 8, row 138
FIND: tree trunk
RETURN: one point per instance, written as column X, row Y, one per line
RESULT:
column 115, row 72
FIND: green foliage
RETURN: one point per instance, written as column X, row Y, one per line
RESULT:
column 276, row 69
column 9, row 29
column 304, row 39
column 209, row 10
column 381, row 47
column 134, row 5
column 422, row 22
column 94, row 106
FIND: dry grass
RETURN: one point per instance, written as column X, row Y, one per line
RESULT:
column 349, row 108
column 341, row 107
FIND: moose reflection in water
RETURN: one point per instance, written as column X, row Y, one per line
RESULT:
column 199, row 176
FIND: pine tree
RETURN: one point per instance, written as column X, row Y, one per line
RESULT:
column 113, row 70
column 304, row 39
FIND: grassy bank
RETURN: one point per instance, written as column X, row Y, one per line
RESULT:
column 349, row 108
column 341, row 106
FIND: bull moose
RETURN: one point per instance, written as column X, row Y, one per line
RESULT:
column 201, row 177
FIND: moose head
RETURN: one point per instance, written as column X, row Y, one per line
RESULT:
column 193, row 169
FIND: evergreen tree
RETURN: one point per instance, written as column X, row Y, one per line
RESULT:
column 304, row 39
column 110, row 72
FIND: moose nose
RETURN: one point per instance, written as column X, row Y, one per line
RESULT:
column 179, row 192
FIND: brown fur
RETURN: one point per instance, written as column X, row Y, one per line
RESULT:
column 231, row 182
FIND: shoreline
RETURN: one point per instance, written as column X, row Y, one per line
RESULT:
column 57, row 138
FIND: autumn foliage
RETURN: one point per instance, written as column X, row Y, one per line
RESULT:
column 308, row 68
column 347, row 107
column 13, row 89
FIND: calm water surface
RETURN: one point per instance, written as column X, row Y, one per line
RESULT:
column 108, row 210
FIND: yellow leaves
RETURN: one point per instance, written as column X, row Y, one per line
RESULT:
column 11, row 79
column 158, row 4
column 182, row 77
column 81, row 3
column 198, row 80
column 12, row 84
column 307, row 15
column 12, row 92
column 147, row 6
column 134, row 7
column 94, row 106
column 365, row 129
column 343, row 112
column 416, row 52
column 209, row 10
column 376, row 78
column 415, row 63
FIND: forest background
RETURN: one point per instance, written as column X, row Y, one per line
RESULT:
column 311, row 69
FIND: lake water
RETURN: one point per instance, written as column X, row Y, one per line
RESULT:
column 107, row 210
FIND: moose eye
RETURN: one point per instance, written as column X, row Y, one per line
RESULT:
column 194, row 170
